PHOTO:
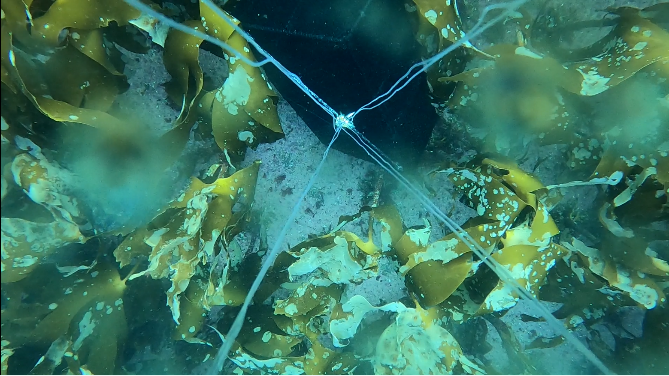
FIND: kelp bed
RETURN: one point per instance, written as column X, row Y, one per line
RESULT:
column 83, row 290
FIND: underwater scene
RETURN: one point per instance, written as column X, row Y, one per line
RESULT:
column 335, row 187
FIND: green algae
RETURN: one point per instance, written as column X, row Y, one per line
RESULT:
column 77, row 315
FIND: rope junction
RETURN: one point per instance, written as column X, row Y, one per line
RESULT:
column 346, row 123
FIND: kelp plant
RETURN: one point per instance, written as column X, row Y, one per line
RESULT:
column 85, row 289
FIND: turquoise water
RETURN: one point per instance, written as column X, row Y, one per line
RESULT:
column 387, row 187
